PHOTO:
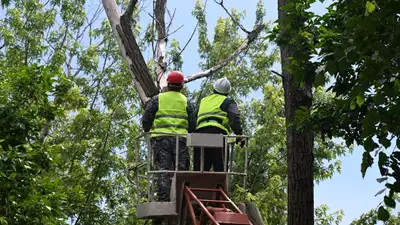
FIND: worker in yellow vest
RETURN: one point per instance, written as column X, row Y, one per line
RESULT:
column 217, row 114
column 169, row 112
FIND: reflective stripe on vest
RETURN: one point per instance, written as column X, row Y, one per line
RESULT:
column 171, row 116
column 210, row 113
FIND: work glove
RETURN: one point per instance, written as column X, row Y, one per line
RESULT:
column 241, row 140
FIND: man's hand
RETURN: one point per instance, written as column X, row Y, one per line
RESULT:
column 242, row 141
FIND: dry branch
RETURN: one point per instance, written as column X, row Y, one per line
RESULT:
column 250, row 38
column 221, row 3
column 276, row 73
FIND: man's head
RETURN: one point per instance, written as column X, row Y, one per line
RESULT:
column 175, row 81
column 222, row 86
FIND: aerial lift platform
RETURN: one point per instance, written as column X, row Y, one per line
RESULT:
column 208, row 191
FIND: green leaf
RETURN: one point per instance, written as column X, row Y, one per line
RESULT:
column 380, row 180
column 383, row 159
column 389, row 202
column 370, row 7
column 369, row 144
column 360, row 99
column 396, row 155
column 367, row 161
column 385, row 142
column 352, row 105
column 319, row 79
column 331, row 67
column 380, row 192
column 3, row 221
column 394, row 187
column 383, row 214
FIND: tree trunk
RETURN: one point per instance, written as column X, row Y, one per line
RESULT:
column 161, row 65
column 254, row 214
column 299, row 144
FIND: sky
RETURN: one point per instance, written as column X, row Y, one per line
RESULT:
column 348, row 190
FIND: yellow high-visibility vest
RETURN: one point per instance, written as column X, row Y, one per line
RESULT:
column 210, row 113
column 171, row 116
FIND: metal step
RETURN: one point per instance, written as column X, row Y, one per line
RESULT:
column 154, row 210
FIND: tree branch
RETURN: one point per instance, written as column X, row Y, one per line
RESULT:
column 221, row 3
column 130, row 51
column 171, row 19
column 131, row 7
column 250, row 38
column 276, row 73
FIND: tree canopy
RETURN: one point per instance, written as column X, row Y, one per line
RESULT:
column 70, row 105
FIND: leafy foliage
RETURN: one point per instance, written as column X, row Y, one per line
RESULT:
column 267, row 167
column 69, row 115
column 357, row 43
column 372, row 217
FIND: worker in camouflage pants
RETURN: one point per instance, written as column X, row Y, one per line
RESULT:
column 169, row 112
column 164, row 149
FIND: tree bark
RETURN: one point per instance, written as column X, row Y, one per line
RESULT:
column 161, row 65
column 130, row 51
column 299, row 143
column 254, row 214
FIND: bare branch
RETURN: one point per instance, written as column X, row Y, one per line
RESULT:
column 187, row 43
column 190, row 38
column 221, row 3
column 171, row 19
column 168, row 34
column 102, row 77
column 250, row 38
column 276, row 73
column 131, row 7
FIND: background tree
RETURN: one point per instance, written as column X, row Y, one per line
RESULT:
column 358, row 48
column 294, row 34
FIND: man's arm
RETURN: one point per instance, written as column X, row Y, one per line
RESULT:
column 192, row 116
column 231, row 108
column 150, row 113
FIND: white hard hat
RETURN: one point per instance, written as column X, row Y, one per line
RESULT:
column 222, row 85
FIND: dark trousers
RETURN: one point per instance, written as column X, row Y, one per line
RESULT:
column 213, row 157
column 164, row 149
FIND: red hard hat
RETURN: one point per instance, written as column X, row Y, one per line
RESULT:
column 175, row 77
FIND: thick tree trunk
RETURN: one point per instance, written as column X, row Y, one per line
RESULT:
column 299, row 145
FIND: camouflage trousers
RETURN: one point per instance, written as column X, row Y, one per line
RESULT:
column 164, row 149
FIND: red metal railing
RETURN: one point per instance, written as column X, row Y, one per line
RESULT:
column 216, row 215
